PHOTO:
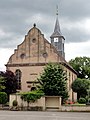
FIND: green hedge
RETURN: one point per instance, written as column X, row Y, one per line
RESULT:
column 3, row 98
column 82, row 100
column 31, row 96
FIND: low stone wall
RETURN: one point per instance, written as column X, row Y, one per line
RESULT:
column 44, row 103
column 85, row 108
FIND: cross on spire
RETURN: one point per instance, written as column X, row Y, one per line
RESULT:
column 57, row 10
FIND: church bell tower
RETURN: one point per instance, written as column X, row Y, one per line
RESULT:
column 57, row 38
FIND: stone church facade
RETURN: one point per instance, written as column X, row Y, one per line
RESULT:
column 34, row 53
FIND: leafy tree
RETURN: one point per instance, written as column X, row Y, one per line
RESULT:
column 10, row 82
column 2, row 80
column 53, row 81
column 3, row 98
column 82, row 66
column 80, row 86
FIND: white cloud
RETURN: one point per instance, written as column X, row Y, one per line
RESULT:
column 4, row 56
column 87, row 26
column 82, row 25
column 73, row 50
column 4, row 34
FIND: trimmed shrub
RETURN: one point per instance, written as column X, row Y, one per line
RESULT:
column 3, row 98
column 82, row 100
column 32, row 96
column 15, row 103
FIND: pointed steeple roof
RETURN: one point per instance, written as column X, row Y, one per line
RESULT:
column 57, row 26
column 57, row 31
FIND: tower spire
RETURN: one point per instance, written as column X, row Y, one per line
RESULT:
column 57, row 31
column 57, row 10
column 56, row 38
column 57, row 26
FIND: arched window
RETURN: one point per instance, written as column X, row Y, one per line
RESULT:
column 18, row 77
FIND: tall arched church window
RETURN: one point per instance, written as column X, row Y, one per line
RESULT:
column 18, row 76
column 69, row 81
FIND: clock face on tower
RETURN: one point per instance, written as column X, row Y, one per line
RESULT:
column 56, row 39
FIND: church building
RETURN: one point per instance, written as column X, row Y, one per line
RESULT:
column 34, row 53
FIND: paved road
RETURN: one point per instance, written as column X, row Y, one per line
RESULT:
column 29, row 115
